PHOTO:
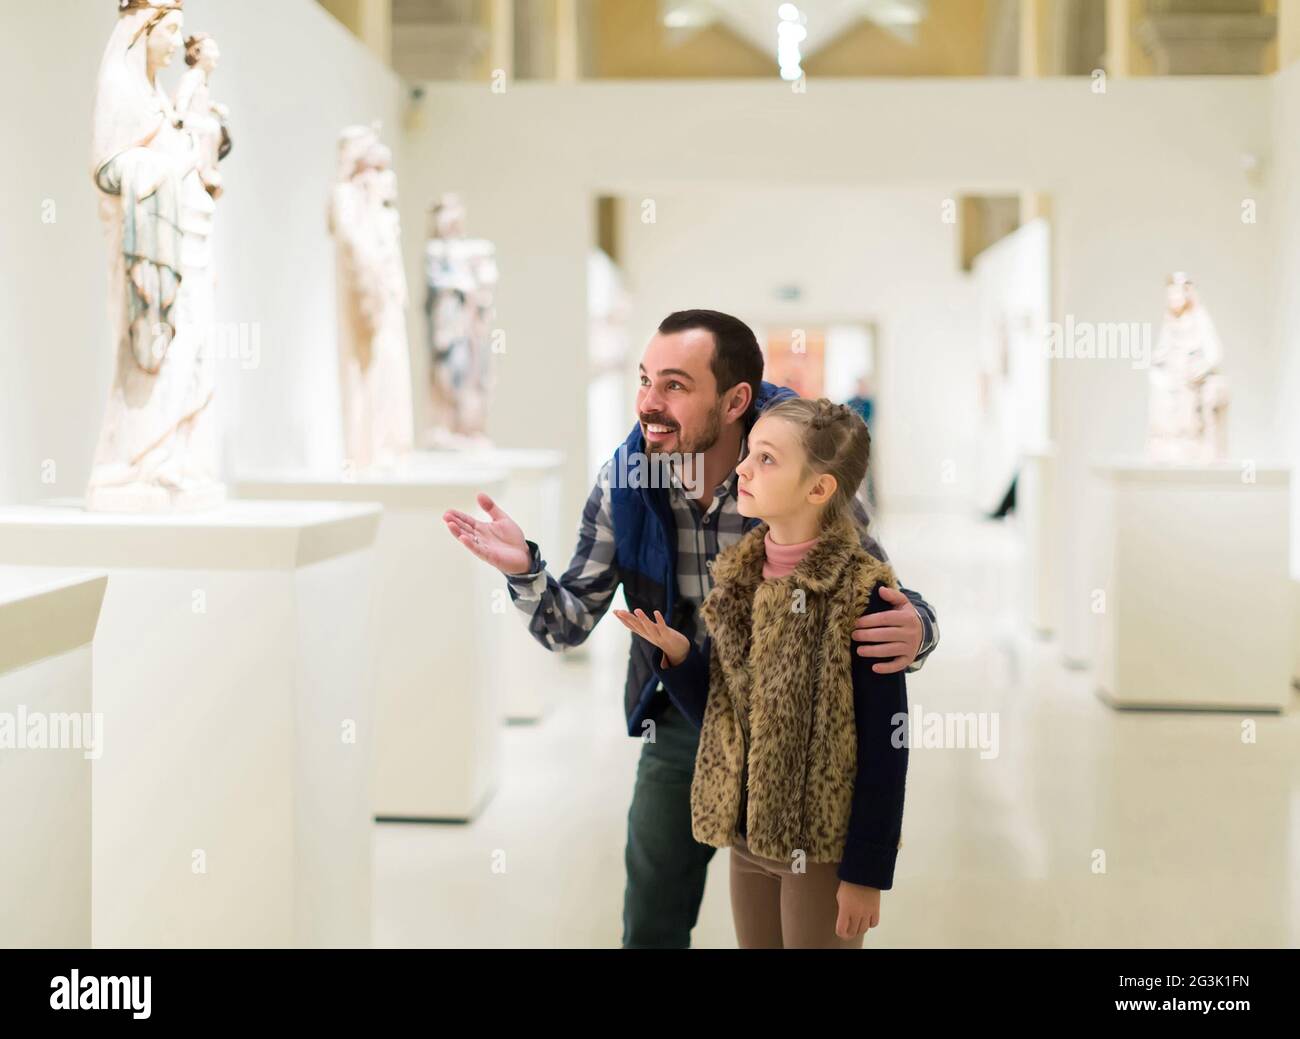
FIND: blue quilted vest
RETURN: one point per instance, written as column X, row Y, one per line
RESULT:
column 645, row 554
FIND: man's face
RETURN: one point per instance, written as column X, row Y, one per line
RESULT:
column 678, row 403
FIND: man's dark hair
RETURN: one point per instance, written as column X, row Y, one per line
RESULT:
column 736, row 354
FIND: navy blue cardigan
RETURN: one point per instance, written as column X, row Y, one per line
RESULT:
column 879, row 701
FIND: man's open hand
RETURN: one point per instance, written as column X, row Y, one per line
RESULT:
column 498, row 541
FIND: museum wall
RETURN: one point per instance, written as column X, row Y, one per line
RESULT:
column 1153, row 192
column 1286, row 286
column 536, row 204
column 1180, row 203
column 1158, row 188
column 880, row 256
column 292, row 78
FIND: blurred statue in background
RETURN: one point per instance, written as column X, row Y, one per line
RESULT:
column 157, row 447
column 374, row 356
column 207, row 118
column 461, row 276
column 1189, row 397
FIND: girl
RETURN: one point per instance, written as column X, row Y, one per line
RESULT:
column 798, row 769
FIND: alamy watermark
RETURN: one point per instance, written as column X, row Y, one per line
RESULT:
column 73, row 991
column 1100, row 340
column 221, row 340
column 41, row 730
column 637, row 470
column 946, row 730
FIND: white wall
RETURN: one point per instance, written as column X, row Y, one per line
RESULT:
column 865, row 255
column 1285, row 222
column 1145, row 179
column 1013, row 279
column 522, row 191
column 293, row 78
column 1116, row 245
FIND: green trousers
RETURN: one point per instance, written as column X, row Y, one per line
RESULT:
column 666, row 866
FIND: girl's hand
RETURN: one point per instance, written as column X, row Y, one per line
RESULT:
column 859, row 909
column 674, row 644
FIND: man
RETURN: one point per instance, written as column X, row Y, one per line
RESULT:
column 701, row 389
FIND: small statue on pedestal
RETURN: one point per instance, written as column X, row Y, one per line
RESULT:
column 157, row 447
column 461, row 276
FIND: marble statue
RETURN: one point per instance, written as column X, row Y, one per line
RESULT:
column 374, row 355
column 1189, row 397
column 158, row 445
column 461, row 276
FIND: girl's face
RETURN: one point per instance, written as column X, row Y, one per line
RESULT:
column 772, row 484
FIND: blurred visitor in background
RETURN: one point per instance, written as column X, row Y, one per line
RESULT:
column 864, row 403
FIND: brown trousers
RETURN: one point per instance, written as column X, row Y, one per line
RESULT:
column 777, row 908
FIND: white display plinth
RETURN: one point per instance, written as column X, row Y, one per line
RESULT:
column 532, row 498
column 1176, row 545
column 443, row 616
column 47, row 623
column 233, row 669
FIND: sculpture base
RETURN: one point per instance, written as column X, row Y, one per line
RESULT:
column 47, row 624
column 152, row 497
column 446, row 440
column 445, row 628
column 1169, row 540
column 533, row 681
column 233, row 670
column 1174, row 451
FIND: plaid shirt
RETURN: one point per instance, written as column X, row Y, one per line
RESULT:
column 561, row 613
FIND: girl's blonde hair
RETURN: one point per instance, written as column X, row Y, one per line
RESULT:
column 835, row 442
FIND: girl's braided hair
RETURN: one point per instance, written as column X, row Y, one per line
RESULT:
column 835, row 441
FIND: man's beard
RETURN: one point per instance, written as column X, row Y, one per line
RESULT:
column 704, row 440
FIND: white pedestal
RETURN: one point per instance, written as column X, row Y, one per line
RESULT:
column 442, row 617
column 1180, row 548
column 47, row 743
column 233, row 669
column 532, row 497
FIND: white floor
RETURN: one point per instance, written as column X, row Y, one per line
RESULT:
column 1200, row 832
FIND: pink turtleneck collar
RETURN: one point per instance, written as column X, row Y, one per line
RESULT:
column 782, row 559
